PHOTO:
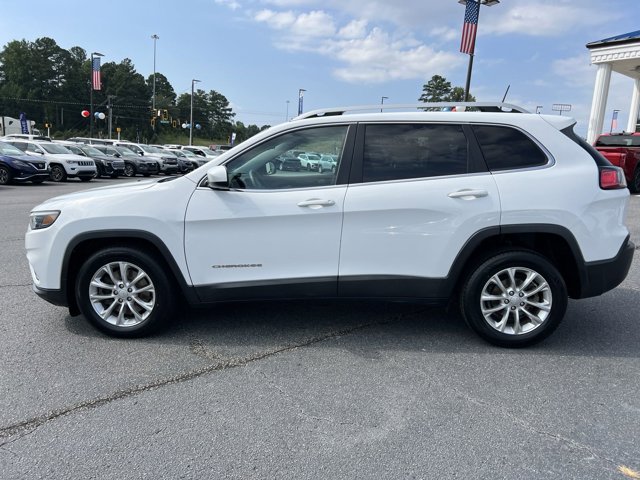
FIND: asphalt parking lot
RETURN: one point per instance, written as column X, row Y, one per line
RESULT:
column 311, row 389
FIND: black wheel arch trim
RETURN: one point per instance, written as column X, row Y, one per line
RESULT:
column 594, row 278
column 122, row 235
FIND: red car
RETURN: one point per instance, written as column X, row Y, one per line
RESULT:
column 623, row 150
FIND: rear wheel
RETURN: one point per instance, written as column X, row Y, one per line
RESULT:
column 5, row 175
column 514, row 299
column 58, row 173
column 125, row 292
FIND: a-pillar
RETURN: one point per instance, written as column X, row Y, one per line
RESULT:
column 635, row 107
column 600, row 93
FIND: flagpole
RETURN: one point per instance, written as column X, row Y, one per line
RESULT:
column 467, row 85
column 472, row 45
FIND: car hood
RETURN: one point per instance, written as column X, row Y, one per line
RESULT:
column 63, row 156
column 24, row 158
column 98, row 194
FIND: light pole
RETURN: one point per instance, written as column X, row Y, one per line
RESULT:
column 153, row 97
column 95, row 82
column 469, row 30
column 286, row 118
column 193, row 81
column 382, row 99
column 300, row 97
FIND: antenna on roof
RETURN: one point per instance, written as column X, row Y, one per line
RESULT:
column 505, row 93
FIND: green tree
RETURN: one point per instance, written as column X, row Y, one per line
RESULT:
column 439, row 89
column 435, row 90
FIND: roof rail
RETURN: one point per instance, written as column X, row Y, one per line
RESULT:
column 425, row 106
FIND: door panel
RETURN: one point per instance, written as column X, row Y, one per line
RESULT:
column 236, row 239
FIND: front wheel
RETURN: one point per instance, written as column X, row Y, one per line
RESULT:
column 514, row 299
column 5, row 176
column 125, row 292
column 57, row 173
column 129, row 171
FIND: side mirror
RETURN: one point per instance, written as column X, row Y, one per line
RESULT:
column 217, row 177
column 270, row 168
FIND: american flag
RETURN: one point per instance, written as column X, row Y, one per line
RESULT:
column 614, row 120
column 95, row 74
column 470, row 27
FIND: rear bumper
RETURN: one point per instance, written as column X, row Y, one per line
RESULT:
column 606, row 275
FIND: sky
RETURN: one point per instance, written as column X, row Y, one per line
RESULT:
column 260, row 53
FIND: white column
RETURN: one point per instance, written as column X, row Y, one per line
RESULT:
column 599, row 103
column 634, row 110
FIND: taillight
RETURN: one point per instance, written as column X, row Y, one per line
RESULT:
column 612, row 178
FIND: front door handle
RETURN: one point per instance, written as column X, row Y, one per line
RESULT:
column 468, row 194
column 316, row 203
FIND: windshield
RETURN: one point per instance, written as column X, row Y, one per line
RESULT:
column 54, row 148
column 6, row 149
column 91, row 151
column 124, row 151
column 618, row 141
column 186, row 153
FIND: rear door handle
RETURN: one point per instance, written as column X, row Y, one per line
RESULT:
column 468, row 194
column 316, row 203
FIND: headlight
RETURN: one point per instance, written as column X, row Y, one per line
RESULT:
column 40, row 220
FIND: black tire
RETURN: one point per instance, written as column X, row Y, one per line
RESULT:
column 58, row 173
column 99, row 171
column 497, row 318
column 635, row 181
column 157, row 292
column 129, row 170
column 5, row 175
column 320, row 169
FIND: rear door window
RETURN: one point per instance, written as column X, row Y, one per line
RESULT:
column 405, row 151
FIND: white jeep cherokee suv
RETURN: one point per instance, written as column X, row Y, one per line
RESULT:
column 507, row 212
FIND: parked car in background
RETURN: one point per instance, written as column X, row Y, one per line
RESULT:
column 288, row 161
column 17, row 166
column 196, row 160
column 327, row 163
column 623, row 150
column 184, row 165
column 309, row 161
column 106, row 166
column 202, row 151
column 220, row 148
column 168, row 164
column 26, row 136
column 62, row 162
column 134, row 164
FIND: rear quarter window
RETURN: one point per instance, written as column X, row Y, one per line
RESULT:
column 506, row 148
